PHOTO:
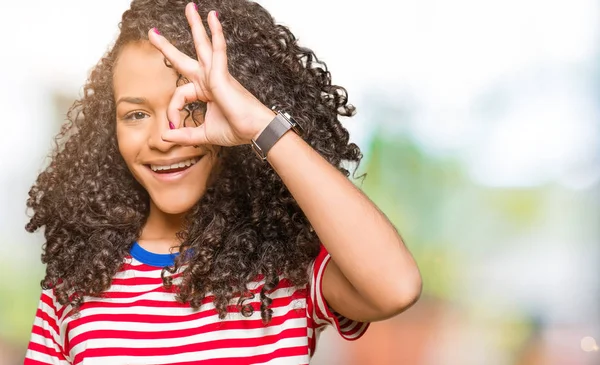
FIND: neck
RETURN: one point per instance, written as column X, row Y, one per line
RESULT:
column 159, row 232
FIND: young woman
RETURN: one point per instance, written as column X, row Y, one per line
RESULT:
column 188, row 222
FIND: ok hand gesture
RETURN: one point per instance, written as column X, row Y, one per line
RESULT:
column 233, row 114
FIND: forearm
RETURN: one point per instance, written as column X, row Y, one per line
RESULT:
column 361, row 240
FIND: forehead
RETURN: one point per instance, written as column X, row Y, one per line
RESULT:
column 141, row 71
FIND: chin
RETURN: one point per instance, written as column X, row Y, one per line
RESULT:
column 174, row 205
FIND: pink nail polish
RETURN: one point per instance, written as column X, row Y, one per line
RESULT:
column 195, row 6
column 171, row 125
column 217, row 14
column 156, row 31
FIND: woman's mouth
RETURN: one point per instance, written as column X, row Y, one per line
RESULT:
column 173, row 171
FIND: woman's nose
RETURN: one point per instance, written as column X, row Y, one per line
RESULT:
column 155, row 140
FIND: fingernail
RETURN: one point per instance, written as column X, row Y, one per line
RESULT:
column 216, row 14
column 195, row 6
column 156, row 31
column 171, row 125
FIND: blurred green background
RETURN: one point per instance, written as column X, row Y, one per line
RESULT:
column 481, row 132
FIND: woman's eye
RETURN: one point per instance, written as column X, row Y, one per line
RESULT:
column 196, row 106
column 195, row 113
column 135, row 116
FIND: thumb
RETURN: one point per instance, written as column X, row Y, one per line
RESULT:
column 187, row 136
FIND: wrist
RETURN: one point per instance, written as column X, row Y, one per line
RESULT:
column 263, row 120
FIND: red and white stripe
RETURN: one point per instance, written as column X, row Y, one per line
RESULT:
column 139, row 322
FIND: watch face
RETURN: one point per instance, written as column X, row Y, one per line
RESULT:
column 296, row 126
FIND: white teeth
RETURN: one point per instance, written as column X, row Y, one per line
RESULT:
column 177, row 165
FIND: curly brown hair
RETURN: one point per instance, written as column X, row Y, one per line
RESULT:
column 246, row 225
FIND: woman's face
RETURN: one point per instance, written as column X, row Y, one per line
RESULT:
column 175, row 176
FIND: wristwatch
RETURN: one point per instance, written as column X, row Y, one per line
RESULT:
column 282, row 123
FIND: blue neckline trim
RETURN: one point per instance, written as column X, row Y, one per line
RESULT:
column 151, row 258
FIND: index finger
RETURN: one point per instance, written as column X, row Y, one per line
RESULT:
column 180, row 61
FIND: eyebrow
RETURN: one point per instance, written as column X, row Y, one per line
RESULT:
column 132, row 100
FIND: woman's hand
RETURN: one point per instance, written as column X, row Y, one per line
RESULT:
column 233, row 115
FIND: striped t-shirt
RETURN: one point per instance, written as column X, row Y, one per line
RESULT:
column 138, row 321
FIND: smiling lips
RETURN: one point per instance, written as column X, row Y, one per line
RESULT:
column 175, row 167
column 167, row 171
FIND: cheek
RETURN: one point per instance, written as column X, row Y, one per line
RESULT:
column 129, row 146
column 124, row 148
